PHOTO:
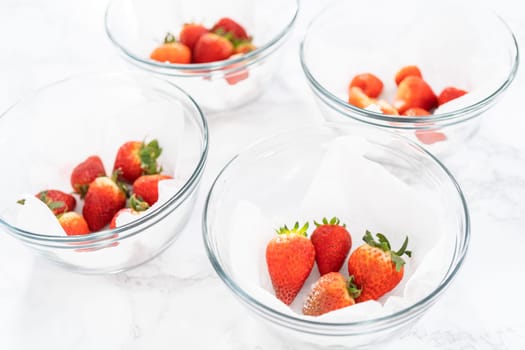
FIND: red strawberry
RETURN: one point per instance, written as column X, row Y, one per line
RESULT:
column 450, row 93
column 190, row 33
column 332, row 243
column 329, row 293
column 375, row 267
column 369, row 83
column 136, row 158
column 211, row 47
column 146, row 187
column 290, row 258
column 58, row 201
column 171, row 51
column 227, row 25
column 408, row 71
column 103, row 199
column 84, row 173
column 73, row 223
column 135, row 207
column 414, row 92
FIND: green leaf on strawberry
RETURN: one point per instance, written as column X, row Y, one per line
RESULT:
column 295, row 229
column 384, row 245
column 137, row 203
column 148, row 154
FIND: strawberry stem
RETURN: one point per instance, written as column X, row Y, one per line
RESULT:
column 231, row 37
column 383, row 241
column 294, row 230
column 403, row 249
column 352, row 288
column 137, row 203
column 123, row 187
column 148, row 154
column 384, row 245
column 82, row 190
column 169, row 38
column 333, row 221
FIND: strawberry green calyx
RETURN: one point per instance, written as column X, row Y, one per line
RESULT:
column 21, row 201
column 294, row 230
column 137, row 204
column 352, row 288
column 82, row 190
column 230, row 36
column 333, row 221
column 56, row 205
column 239, row 42
column 51, row 203
column 384, row 245
column 169, row 38
column 123, row 187
column 148, row 153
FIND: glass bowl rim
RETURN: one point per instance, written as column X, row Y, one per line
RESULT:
column 101, row 238
column 462, row 244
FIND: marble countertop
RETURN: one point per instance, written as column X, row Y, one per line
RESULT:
column 168, row 302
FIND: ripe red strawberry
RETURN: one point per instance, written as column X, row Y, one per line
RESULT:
column 103, row 199
column 84, row 173
column 73, row 223
column 211, row 47
column 332, row 243
column 227, row 25
column 171, row 51
column 450, row 93
column 146, row 187
column 58, row 201
column 408, row 71
column 375, row 267
column 190, row 33
column 414, row 92
column 330, row 292
column 369, row 83
column 136, row 158
column 290, row 258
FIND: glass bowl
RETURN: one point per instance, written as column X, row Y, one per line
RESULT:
column 136, row 27
column 57, row 127
column 470, row 48
column 274, row 175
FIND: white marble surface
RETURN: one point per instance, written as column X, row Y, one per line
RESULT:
column 176, row 300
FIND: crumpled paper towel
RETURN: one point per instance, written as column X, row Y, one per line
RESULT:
column 364, row 195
